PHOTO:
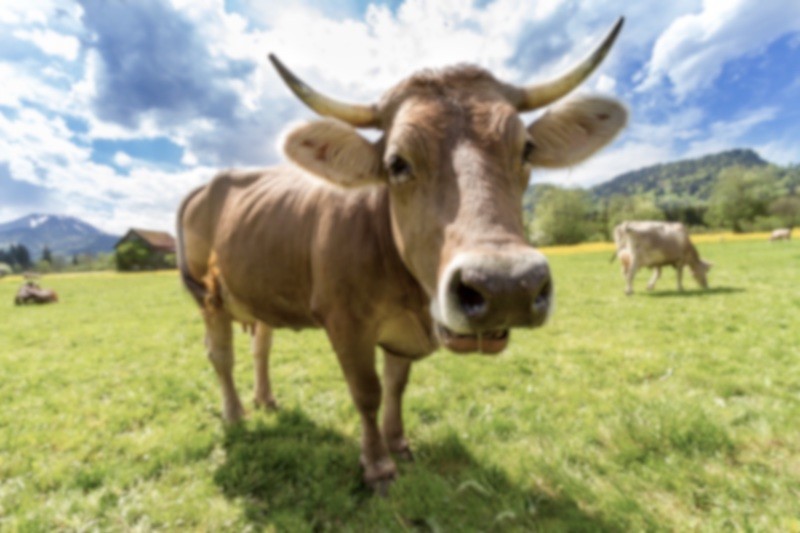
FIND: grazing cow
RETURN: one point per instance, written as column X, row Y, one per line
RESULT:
column 655, row 244
column 406, row 243
column 30, row 292
column 781, row 234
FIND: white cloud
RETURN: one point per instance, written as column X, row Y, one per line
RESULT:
column 32, row 140
column 780, row 151
column 606, row 85
column 34, row 12
column 19, row 84
column 363, row 58
column 693, row 50
column 51, row 43
column 122, row 159
column 724, row 135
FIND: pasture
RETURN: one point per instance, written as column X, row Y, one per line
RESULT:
column 661, row 411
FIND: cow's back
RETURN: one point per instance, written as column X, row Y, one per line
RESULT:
column 655, row 243
column 286, row 247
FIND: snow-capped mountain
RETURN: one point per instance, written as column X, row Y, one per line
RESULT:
column 64, row 235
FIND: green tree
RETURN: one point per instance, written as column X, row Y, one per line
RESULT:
column 132, row 255
column 561, row 217
column 787, row 210
column 640, row 207
column 43, row 266
column 740, row 195
column 18, row 256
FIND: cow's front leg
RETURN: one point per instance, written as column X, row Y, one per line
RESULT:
column 656, row 275
column 261, row 345
column 357, row 360
column 395, row 377
column 219, row 343
column 629, row 277
column 679, row 273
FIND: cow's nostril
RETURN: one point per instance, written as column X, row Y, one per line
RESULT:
column 542, row 300
column 472, row 302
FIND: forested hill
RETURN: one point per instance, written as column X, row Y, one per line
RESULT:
column 683, row 182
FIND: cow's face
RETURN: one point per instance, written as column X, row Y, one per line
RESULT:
column 700, row 272
column 455, row 157
column 456, row 198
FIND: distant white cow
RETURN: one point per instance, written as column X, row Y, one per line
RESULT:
column 781, row 234
column 655, row 244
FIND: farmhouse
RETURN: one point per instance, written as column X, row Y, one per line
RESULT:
column 141, row 249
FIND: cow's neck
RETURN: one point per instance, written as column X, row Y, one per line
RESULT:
column 391, row 261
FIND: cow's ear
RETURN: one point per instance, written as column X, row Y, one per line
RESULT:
column 335, row 151
column 574, row 130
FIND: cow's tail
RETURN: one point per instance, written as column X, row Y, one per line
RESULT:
column 613, row 256
column 195, row 287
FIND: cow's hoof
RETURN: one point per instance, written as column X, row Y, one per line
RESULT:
column 402, row 451
column 268, row 404
column 381, row 487
column 405, row 455
column 380, row 475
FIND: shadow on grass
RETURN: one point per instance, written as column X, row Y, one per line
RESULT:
column 694, row 293
column 295, row 475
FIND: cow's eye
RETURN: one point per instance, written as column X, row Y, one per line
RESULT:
column 527, row 151
column 399, row 169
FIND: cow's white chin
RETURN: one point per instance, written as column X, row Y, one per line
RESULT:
column 485, row 342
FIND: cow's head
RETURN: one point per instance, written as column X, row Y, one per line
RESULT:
column 456, row 159
column 700, row 270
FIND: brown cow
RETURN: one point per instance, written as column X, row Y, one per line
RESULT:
column 30, row 292
column 781, row 234
column 654, row 244
column 413, row 240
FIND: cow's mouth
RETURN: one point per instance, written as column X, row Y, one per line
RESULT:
column 485, row 342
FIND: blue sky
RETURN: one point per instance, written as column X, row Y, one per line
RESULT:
column 113, row 111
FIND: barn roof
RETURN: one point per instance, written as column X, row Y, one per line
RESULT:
column 158, row 240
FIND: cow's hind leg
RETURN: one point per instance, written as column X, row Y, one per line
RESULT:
column 654, row 278
column 261, row 345
column 219, row 343
column 395, row 377
column 679, row 274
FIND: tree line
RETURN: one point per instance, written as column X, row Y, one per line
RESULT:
column 16, row 256
column 19, row 259
column 129, row 256
column 741, row 199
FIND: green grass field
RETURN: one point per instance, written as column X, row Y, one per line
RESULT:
column 655, row 412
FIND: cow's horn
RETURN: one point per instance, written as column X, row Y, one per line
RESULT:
column 539, row 95
column 354, row 114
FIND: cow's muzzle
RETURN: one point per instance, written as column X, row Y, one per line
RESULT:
column 481, row 296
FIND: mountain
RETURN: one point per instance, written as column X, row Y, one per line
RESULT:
column 685, row 182
column 64, row 235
